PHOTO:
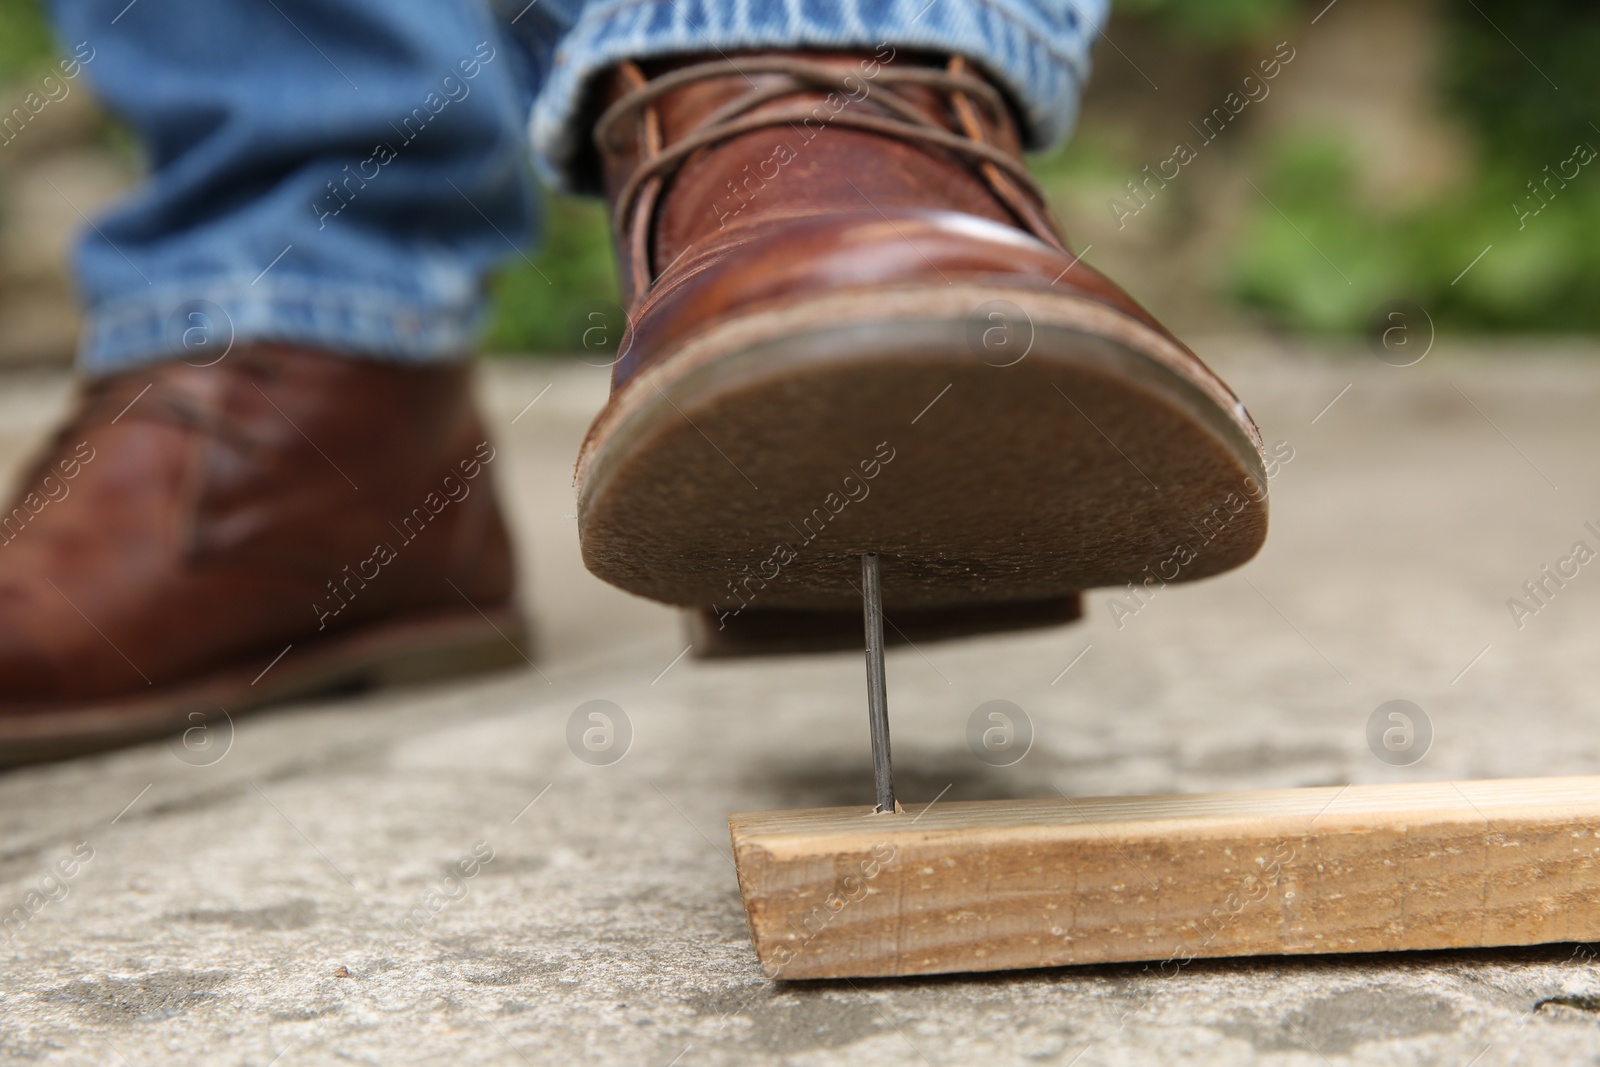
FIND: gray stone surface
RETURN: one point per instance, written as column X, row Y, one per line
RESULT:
column 224, row 904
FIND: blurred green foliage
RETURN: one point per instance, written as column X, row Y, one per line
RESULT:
column 24, row 38
column 1503, row 61
column 1210, row 22
column 1534, row 276
column 543, row 306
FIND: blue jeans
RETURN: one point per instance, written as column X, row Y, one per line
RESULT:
column 342, row 174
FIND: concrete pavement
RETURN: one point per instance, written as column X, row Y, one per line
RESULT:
column 431, row 875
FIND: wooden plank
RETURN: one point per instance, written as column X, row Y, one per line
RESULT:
column 841, row 892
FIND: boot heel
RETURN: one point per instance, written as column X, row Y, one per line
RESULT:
column 775, row 631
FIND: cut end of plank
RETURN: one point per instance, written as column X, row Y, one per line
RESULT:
column 994, row 885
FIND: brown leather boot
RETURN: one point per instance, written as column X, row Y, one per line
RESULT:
column 855, row 327
column 196, row 541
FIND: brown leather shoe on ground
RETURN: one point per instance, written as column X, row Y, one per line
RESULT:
column 855, row 327
column 201, row 540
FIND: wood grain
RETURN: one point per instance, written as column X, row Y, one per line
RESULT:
column 841, row 892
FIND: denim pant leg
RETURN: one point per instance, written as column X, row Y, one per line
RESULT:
column 334, row 173
column 1037, row 49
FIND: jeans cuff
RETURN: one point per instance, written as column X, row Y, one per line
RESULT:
column 1041, row 58
column 201, row 323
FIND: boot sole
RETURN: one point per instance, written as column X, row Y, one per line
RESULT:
column 422, row 649
column 752, row 466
